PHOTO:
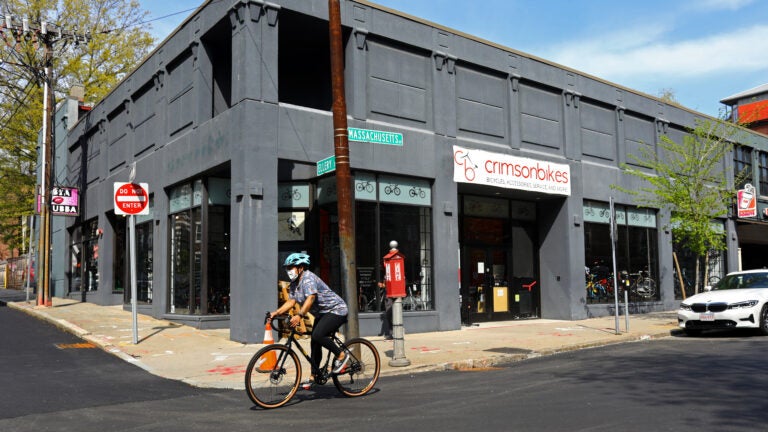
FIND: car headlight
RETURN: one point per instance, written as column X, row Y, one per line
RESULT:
column 685, row 307
column 743, row 304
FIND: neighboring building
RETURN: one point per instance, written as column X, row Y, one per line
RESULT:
column 750, row 108
column 491, row 168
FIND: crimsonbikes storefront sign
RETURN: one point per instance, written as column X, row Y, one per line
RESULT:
column 511, row 172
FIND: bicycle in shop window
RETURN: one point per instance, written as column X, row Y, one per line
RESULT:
column 373, row 300
column 640, row 284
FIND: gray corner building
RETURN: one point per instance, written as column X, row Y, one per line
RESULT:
column 493, row 169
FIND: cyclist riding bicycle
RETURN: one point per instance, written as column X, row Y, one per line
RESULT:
column 315, row 296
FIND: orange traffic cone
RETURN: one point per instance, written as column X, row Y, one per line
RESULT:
column 268, row 360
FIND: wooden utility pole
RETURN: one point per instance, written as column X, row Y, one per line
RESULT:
column 344, row 191
column 44, row 266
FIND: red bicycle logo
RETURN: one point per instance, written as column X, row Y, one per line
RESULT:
column 462, row 159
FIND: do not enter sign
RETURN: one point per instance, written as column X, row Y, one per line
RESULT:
column 131, row 199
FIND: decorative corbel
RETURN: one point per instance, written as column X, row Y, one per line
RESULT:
column 158, row 79
column 568, row 95
column 272, row 11
column 361, row 36
column 662, row 125
column 439, row 59
column 451, row 63
column 515, row 79
column 255, row 10
column 237, row 14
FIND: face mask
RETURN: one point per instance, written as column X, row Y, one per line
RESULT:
column 292, row 274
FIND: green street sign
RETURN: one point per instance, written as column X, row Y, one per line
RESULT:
column 374, row 136
column 326, row 165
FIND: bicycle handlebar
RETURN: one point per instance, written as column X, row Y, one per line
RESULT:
column 283, row 317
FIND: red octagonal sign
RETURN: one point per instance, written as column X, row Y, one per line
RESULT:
column 131, row 199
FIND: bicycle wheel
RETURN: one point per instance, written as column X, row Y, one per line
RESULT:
column 272, row 376
column 646, row 288
column 362, row 370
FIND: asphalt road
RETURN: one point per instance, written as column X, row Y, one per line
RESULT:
column 712, row 383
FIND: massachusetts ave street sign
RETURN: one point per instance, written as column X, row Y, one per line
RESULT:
column 374, row 136
column 131, row 199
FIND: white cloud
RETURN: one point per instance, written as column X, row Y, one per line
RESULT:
column 721, row 4
column 617, row 58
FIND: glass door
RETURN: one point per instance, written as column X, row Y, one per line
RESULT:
column 485, row 288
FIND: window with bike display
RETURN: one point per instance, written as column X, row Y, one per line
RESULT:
column 199, row 247
column 711, row 268
column 386, row 208
column 636, row 253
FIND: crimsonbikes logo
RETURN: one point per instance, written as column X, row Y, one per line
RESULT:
column 461, row 158
column 512, row 172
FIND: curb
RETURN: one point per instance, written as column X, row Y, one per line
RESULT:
column 468, row 364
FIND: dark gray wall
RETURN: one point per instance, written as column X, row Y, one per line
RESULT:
column 435, row 86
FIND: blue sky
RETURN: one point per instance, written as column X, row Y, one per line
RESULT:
column 702, row 50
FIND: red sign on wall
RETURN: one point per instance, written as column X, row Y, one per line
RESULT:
column 131, row 199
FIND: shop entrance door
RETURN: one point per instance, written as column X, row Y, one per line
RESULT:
column 485, row 287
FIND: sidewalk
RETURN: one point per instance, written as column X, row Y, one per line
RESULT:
column 207, row 358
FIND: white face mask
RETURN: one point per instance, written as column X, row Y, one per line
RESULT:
column 292, row 274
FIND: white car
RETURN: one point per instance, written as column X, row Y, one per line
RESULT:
column 739, row 300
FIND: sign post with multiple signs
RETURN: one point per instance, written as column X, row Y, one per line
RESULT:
column 132, row 199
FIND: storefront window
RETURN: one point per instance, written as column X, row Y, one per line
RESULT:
column 711, row 269
column 199, row 228
column 91, row 251
column 636, row 253
column 76, row 260
column 386, row 208
column 144, row 254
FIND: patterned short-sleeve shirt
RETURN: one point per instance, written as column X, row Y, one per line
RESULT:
column 326, row 301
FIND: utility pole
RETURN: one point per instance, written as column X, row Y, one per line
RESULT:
column 47, row 34
column 44, row 290
column 344, row 191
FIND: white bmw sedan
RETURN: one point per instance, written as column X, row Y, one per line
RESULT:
column 739, row 300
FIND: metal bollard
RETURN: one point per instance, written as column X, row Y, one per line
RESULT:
column 398, row 334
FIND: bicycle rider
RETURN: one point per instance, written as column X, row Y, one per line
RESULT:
column 330, row 311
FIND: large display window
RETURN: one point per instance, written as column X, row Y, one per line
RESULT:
column 386, row 208
column 199, row 248
column 636, row 253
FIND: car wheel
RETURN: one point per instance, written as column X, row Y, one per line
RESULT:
column 692, row 332
column 764, row 320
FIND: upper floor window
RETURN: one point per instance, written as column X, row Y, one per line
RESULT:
column 762, row 158
column 742, row 163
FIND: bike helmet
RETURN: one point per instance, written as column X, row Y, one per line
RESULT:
column 297, row 259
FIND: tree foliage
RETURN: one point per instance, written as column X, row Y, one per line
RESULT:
column 689, row 179
column 116, row 44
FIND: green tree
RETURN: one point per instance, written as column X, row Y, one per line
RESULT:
column 689, row 179
column 117, row 41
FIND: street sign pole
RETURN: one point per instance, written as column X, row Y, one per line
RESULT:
column 132, row 199
column 134, row 312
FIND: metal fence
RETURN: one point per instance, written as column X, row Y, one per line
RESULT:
column 13, row 272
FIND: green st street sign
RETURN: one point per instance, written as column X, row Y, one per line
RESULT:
column 374, row 136
column 326, row 165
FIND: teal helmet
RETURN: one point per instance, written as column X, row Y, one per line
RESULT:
column 297, row 259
